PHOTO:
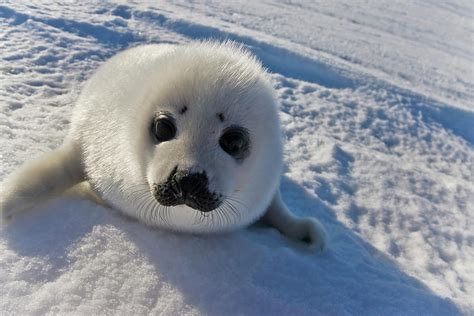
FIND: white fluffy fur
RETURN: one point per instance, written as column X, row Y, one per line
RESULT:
column 113, row 150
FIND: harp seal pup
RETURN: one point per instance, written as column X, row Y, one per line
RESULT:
column 185, row 138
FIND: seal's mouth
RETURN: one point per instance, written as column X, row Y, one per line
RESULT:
column 191, row 189
column 202, row 204
column 206, row 202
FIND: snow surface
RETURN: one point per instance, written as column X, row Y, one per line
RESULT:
column 377, row 110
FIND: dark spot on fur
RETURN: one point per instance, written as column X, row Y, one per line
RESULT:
column 220, row 116
column 183, row 110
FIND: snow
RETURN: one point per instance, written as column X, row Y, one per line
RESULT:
column 376, row 106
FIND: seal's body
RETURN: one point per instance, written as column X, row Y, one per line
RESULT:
column 181, row 137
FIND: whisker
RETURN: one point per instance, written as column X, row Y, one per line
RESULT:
column 161, row 214
column 230, row 211
column 226, row 215
column 167, row 211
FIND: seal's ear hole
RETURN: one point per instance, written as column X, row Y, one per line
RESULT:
column 235, row 141
column 163, row 127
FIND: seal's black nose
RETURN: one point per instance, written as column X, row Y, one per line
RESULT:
column 189, row 183
column 185, row 187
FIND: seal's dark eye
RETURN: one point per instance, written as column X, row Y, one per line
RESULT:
column 235, row 141
column 163, row 128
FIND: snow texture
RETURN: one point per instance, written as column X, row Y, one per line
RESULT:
column 376, row 105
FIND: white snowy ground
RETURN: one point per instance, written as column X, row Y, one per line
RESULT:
column 377, row 109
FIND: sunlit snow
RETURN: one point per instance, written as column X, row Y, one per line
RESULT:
column 376, row 104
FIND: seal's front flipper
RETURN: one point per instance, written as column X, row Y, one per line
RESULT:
column 307, row 229
column 41, row 179
column 84, row 190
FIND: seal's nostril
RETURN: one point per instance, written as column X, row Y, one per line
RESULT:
column 189, row 182
column 184, row 187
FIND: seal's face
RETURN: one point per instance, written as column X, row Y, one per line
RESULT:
column 189, row 184
column 199, row 139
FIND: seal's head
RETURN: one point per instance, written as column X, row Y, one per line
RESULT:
column 202, row 138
